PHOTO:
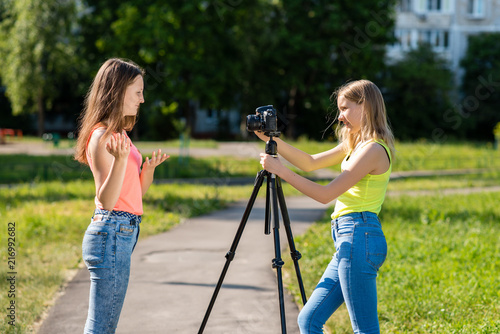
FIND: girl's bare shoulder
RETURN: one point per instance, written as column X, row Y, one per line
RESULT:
column 95, row 139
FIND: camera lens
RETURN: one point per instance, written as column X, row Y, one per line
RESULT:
column 253, row 122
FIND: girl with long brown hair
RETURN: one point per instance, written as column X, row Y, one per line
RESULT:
column 111, row 108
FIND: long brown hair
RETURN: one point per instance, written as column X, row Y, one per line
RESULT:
column 104, row 102
column 374, row 124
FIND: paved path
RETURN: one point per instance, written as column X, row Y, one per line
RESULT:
column 174, row 275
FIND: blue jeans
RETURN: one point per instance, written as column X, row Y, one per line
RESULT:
column 106, row 249
column 350, row 277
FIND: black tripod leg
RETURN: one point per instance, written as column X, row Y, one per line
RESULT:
column 293, row 251
column 267, row 219
column 277, row 261
column 232, row 251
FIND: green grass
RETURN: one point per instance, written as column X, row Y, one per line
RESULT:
column 427, row 155
column 442, row 274
column 410, row 156
column 51, row 219
column 487, row 178
column 20, row 168
column 27, row 168
column 446, row 155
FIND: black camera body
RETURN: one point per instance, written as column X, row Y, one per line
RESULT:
column 265, row 120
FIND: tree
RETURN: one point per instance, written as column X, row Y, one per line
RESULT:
column 311, row 47
column 37, row 53
column 194, row 52
column 243, row 54
column 480, row 104
column 417, row 94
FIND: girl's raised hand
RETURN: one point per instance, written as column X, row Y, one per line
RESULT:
column 156, row 159
column 118, row 146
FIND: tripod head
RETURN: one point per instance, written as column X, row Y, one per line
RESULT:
column 271, row 145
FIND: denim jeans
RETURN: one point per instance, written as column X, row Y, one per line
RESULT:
column 350, row 277
column 106, row 249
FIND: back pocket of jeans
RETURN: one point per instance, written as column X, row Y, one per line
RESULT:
column 376, row 249
column 126, row 230
column 94, row 247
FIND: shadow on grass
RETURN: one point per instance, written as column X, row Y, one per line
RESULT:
column 20, row 168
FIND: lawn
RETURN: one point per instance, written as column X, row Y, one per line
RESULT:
column 409, row 157
column 426, row 155
column 50, row 219
column 27, row 168
column 442, row 274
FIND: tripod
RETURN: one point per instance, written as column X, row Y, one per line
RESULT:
column 274, row 195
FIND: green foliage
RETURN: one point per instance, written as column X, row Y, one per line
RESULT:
column 238, row 55
column 311, row 47
column 417, row 96
column 233, row 54
column 37, row 52
column 480, row 86
column 496, row 131
column 218, row 55
column 443, row 269
column 193, row 51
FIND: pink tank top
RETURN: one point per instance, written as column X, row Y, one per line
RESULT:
column 130, row 199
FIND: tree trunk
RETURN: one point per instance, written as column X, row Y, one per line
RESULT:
column 41, row 113
column 291, row 112
column 190, row 117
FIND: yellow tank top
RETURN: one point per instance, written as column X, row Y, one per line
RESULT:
column 366, row 195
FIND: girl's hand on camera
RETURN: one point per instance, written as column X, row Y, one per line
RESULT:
column 118, row 146
column 261, row 135
column 271, row 164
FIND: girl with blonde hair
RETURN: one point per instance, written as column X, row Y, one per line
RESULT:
column 111, row 108
column 365, row 152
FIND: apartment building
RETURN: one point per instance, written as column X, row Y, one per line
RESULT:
column 445, row 24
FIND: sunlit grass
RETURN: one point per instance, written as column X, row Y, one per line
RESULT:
column 443, row 269
column 443, row 249
column 488, row 178
column 425, row 155
column 51, row 219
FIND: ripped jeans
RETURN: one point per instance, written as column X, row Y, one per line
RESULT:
column 350, row 277
column 106, row 249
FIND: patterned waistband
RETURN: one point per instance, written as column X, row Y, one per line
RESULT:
column 125, row 214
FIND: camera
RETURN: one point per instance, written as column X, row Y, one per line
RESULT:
column 265, row 119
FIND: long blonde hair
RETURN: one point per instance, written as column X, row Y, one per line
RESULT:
column 374, row 123
column 104, row 102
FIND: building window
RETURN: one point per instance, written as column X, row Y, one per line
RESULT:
column 405, row 6
column 438, row 39
column 403, row 39
column 475, row 8
column 211, row 113
column 434, row 5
